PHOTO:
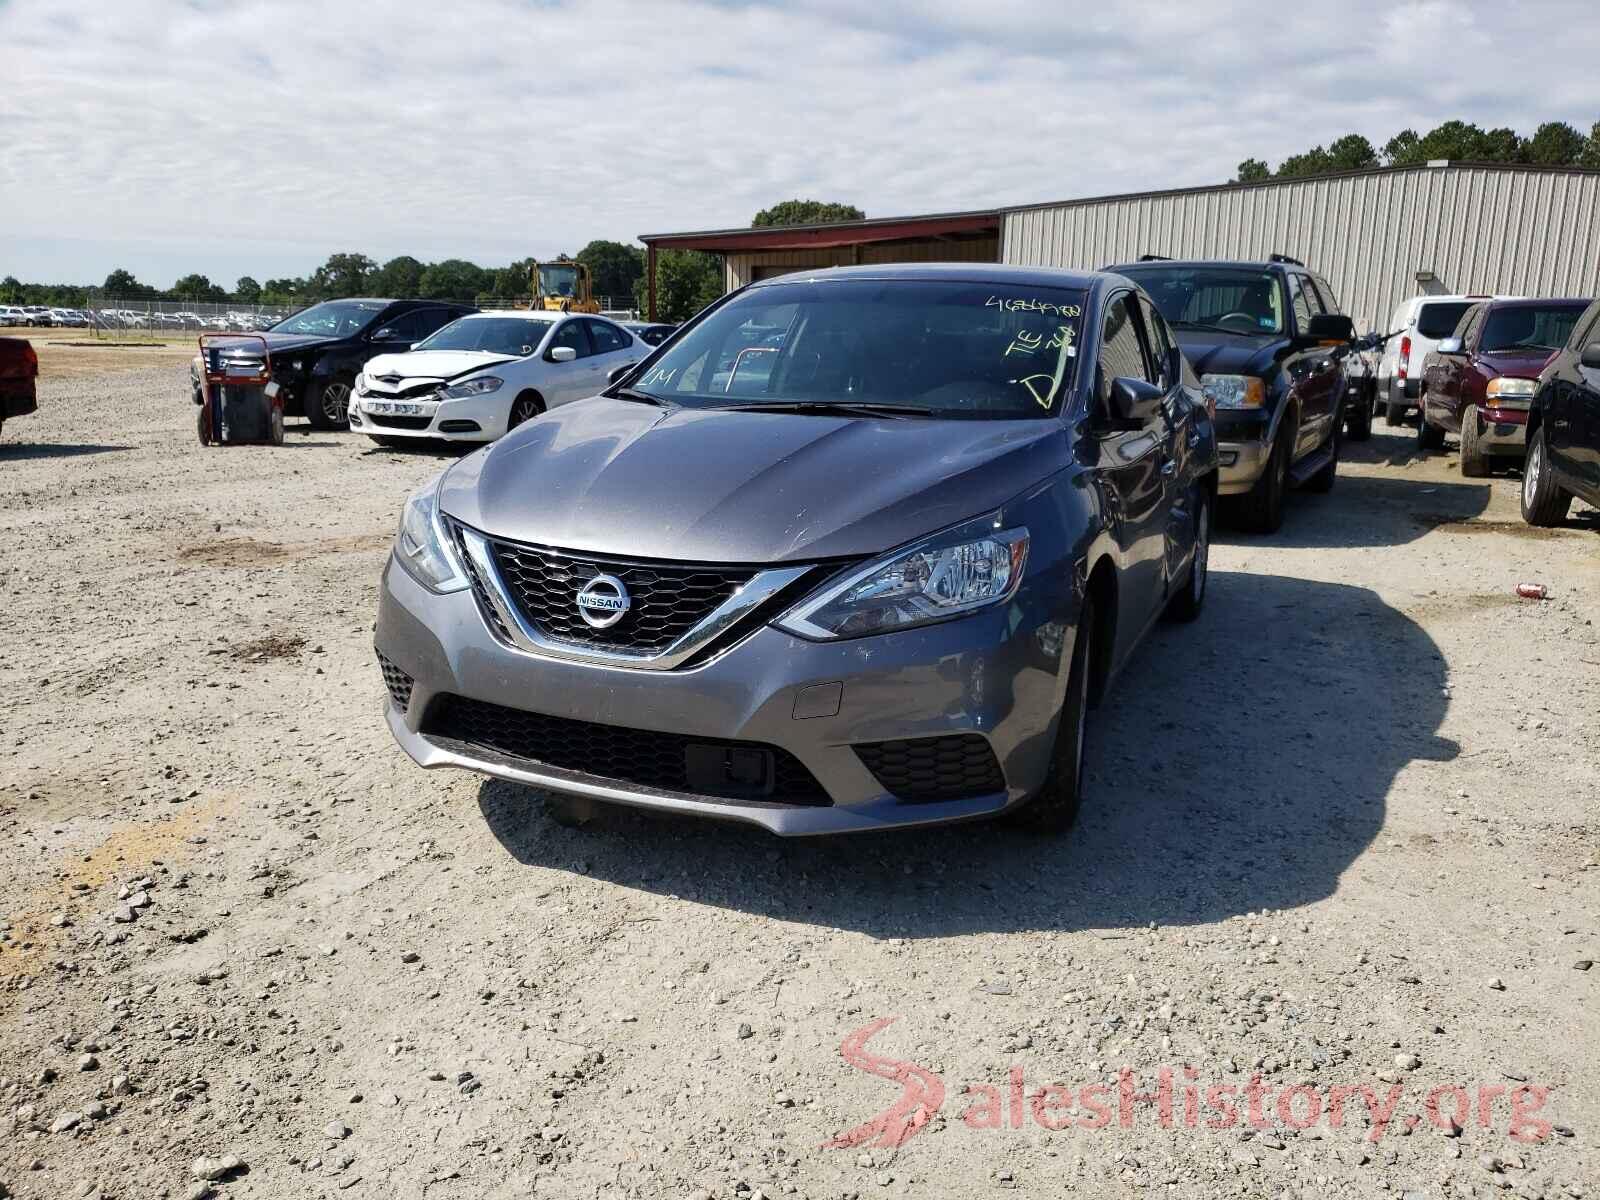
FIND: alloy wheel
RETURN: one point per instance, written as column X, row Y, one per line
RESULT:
column 1202, row 553
column 335, row 401
column 1531, row 471
column 525, row 409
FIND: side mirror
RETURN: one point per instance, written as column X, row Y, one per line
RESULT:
column 560, row 354
column 1331, row 327
column 1591, row 355
column 1451, row 346
column 1134, row 401
column 618, row 374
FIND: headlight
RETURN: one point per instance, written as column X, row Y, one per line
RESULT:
column 959, row 571
column 1234, row 391
column 481, row 386
column 361, row 385
column 1505, row 388
column 423, row 547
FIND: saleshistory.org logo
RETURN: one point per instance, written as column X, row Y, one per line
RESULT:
column 1176, row 1097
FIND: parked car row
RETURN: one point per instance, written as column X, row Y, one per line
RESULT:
column 42, row 316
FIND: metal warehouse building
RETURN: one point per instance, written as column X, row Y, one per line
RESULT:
column 1379, row 236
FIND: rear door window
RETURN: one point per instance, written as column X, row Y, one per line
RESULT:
column 607, row 337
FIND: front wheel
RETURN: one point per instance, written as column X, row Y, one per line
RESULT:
column 1474, row 462
column 524, row 408
column 328, row 404
column 1543, row 501
column 1054, row 808
column 1261, row 508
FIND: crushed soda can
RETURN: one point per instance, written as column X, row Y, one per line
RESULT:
column 1533, row 591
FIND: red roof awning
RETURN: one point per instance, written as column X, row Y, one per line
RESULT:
column 845, row 233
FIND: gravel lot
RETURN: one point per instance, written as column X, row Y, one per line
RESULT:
column 1343, row 832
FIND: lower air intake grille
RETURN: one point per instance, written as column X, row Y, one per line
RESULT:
column 647, row 758
column 954, row 767
column 398, row 683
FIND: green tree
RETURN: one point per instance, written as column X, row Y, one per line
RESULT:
column 1352, row 152
column 1591, row 149
column 283, row 291
column 11, row 290
column 686, row 281
column 1503, row 146
column 513, row 282
column 1401, row 149
column 614, row 267
column 1556, row 144
column 1315, row 161
column 247, row 290
column 198, row 287
column 1252, row 170
column 399, row 278
column 807, row 212
column 121, row 283
column 454, row 279
column 343, row 275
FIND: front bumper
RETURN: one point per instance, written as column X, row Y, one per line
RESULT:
column 1503, row 431
column 1243, row 447
column 474, row 419
column 996, row 673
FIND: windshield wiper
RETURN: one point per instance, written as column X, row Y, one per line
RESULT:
column 831, row 408
column 628, row 393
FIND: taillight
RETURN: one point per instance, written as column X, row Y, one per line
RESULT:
column 1405, row 356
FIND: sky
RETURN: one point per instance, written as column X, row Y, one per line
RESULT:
column 236, row 138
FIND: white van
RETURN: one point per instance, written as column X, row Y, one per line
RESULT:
column 1418, row 325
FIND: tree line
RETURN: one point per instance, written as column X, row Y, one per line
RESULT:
column 1553, row 144
column 686, row 280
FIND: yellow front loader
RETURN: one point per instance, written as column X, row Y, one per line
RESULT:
column 563, row 287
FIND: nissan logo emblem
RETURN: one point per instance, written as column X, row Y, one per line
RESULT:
column 603, row 602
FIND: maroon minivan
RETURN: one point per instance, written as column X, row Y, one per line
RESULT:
column 19, row 367
column 1480, row 382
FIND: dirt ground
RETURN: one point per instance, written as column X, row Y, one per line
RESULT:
column 73, row 353
column 1342, row 833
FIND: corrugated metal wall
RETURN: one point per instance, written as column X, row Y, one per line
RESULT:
column 1479, row 229
column 738, row 268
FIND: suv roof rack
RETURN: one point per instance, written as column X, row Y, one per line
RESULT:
column 1155, row 258
column 1284, row 258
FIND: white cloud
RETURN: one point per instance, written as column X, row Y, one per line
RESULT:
column 262, row 136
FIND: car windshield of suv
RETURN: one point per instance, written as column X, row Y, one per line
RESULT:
column 516, row 336
column 1528, row 329
column 333, row 318
column 1440, row 320
column 928, row 348
column 1229, row 299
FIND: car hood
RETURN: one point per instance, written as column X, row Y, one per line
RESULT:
column 432, row 364
column 1212, row 352
column 1519, row 364
column 629, row 479
column 277, row 343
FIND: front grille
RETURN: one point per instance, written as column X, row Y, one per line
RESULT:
column 397, row 681
column 665, row 600
column 644, row 757
column 397, row 422
column 954, row 767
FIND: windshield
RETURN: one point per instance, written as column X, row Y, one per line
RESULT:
column 933, row 348
column 1440, row 320
column 1529, row 329
column 558, row 280
column 333, row 318
column 1230, row 299
column 516, row 336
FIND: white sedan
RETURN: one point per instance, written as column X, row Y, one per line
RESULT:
column 484, row 374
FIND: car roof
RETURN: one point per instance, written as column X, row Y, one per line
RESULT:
column 951, row 272
column 1536, row 302
column 1187, row 263
column 527, row 314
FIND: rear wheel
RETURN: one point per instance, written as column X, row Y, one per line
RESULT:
column 1429, row 437
column 1185, row 604
column 328, row 404
column 1543, row 501
column 1358, row 419
column 1324, row 479
column 1474, row 462
column 1054, row 807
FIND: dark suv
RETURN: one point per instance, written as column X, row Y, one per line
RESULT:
column 317, row 353
column 1270, row 344
column 1564, row 428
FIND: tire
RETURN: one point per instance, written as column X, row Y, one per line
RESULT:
column 1543, row 501
column 1322, row 482
column 1474, row 462
column 1261, row 508
column 1394, row 415
column 275, row 426
column 201, row 427
column 1429, row 437
column 1185, row 604
column 524, row 408
column 1054, row 807
column 1358, row 421
column 327, row 404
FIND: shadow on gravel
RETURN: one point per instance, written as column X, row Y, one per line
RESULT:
column 1240, row 763
column 17, row 451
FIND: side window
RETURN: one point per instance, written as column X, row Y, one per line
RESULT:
column 571, row 334
column 1162, row 349
column 607, row 337
column 430, row 320
column 1121, row 346
column 1471, row 323
column 1307, row 303
column 1587, row 328
column 1329, row 300
column 402, row 328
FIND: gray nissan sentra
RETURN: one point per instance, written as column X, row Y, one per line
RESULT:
column 851, row 550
